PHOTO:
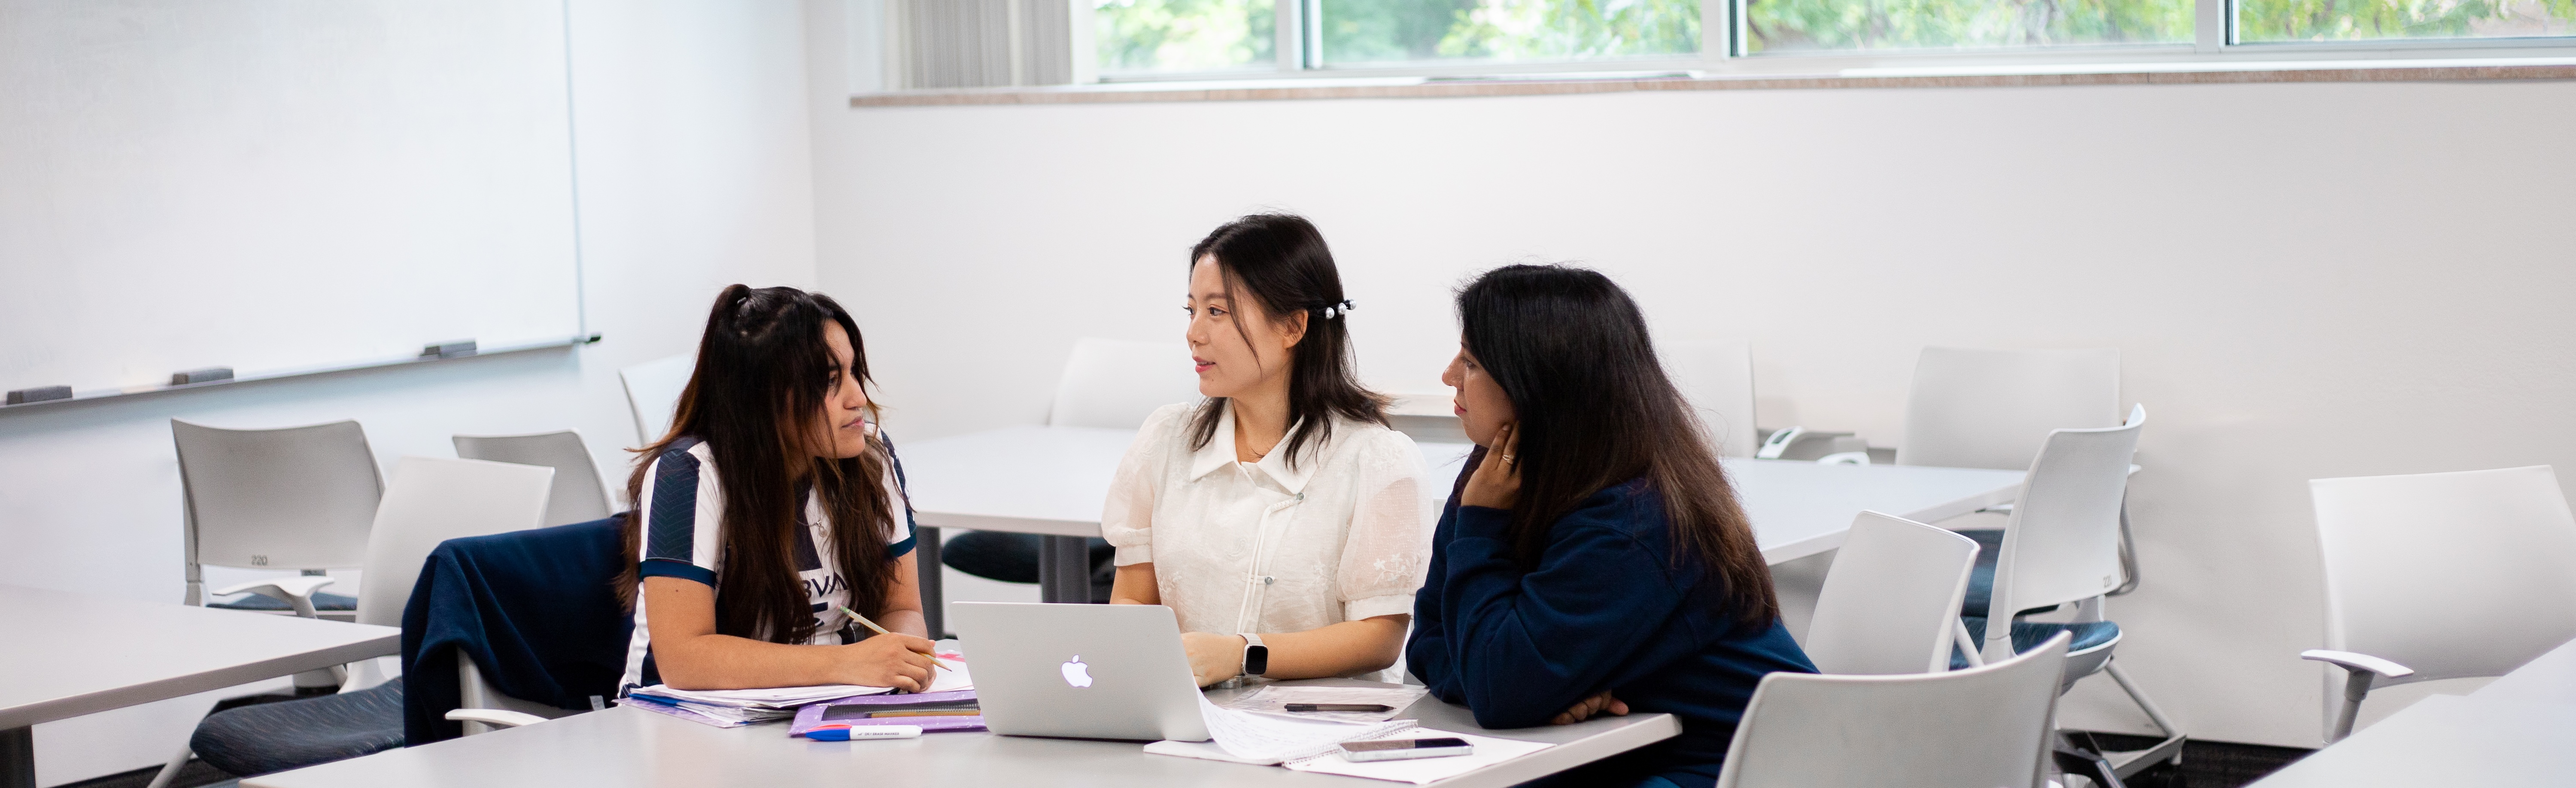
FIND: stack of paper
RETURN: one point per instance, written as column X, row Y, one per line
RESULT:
column 734, row 708
column 955, row 710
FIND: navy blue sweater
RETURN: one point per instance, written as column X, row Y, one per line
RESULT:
column 1605, row 609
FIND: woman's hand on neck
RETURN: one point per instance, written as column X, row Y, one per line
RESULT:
column 1260, row 417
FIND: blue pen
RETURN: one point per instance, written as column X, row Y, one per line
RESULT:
column 866, row 732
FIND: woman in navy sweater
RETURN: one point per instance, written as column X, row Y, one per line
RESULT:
column 1592, row 559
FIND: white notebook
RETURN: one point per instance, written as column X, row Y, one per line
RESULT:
column 1423, row 771
column 1245, row 737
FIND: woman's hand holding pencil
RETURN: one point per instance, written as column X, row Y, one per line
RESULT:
column 863, row 621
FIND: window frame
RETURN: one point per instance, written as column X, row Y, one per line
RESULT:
column 1723, row 37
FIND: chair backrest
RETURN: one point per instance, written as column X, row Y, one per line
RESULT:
column 2462, row 574
column 578, row 496
column 653, row 392
column 291, row 498
column 1891, row 601
column 1717, row 378
column 1983, row 727
column 1973, row 408
column 432, row 500
column 2063, row 541
column 1117, row 383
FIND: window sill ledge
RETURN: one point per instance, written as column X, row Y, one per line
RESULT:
column 1934, row 77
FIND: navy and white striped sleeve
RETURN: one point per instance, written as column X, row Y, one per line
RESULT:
column 682, row 511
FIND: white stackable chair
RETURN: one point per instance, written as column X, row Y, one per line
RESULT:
column 430, row 500
column 2061, row 546
column 2441, row 575
column 1717, row 378
column 1117, row 383
column 1983, row 727
column 292, row 498
column 433, row 500
column 578, row 497
column 1985, row 408
column 653, row 392
column 1891, row 602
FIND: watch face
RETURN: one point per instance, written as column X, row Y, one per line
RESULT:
column 1256, row 660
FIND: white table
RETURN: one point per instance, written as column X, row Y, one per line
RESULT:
column 1052, row 481
column 2515, row 731
column 624, row 746
column 63, row 655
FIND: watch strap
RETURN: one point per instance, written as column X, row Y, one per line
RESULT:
column 1256, row 657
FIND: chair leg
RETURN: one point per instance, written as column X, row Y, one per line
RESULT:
column 1967, row 644
column 2084, row 759
column 2356, row 686
column 170, row 771
column 2130, row 763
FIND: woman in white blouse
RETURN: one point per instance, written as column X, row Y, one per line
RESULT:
column 1280, row 518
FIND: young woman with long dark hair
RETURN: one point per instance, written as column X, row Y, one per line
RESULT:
column 1280, row 518
column 1592, row 558
column 772, row 503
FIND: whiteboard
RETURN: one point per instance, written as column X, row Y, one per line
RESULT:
column 278, row 184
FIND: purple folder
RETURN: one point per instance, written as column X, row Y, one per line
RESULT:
column 811, row 716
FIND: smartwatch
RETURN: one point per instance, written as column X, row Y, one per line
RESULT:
column 1256, row 657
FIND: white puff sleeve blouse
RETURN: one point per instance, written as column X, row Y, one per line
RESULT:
column 1339, row 535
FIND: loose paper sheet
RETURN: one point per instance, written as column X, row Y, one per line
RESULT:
column 1261, row 738
column 1422, row 771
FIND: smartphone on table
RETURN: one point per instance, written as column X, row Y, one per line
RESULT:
column 1402, row 749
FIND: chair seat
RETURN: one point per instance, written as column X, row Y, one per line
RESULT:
column 265, row 603
column 1981, row 580
column 273, row 737
column 2026, row 635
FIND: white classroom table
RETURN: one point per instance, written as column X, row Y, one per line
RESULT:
column 1052, row 481
column 631, row 747
column 2518, row 730
column 65, row 655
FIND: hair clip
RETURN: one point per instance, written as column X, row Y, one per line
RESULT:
column 1337, row 310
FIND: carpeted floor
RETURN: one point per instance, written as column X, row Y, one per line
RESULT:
column 2209, row 764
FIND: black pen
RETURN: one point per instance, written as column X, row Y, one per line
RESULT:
column 1373, row 707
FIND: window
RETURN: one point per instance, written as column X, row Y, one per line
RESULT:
column 1788, row 26
column 1176, row 39
column 1144, row 36
column 2374, row 20
column 1366, row 32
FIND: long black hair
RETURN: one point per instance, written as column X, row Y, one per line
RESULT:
column 1593, row 410
column 763, row 374
column 1281, row 261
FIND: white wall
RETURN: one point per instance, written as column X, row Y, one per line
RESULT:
column 694, row 174
column 2305, row 280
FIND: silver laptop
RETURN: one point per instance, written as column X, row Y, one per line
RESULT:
column 1080, row 671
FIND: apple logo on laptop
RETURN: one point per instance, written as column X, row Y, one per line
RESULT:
column 1076, row 673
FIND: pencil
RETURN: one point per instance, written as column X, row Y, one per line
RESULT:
column 863, row 621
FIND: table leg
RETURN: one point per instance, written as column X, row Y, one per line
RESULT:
column 925, row 557
column 1064, row 570
column 18, row 758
